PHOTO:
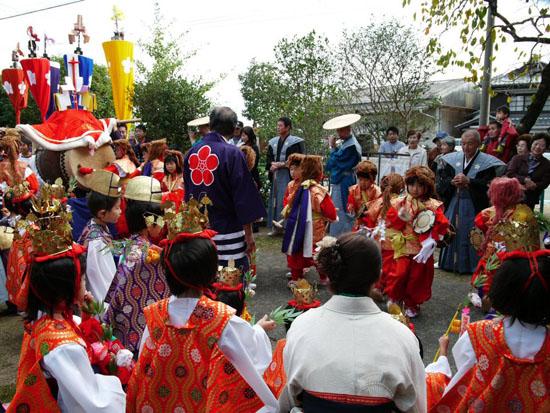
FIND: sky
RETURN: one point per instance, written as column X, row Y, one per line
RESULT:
column 226, row 35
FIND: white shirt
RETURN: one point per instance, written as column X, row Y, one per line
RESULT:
column 349, row 346
column 417, row 157
column 246, row 347
column 523, row 340
column 80, row 389
column 100, row 268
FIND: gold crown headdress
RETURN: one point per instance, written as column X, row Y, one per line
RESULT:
column 192, row 218
column 48, row 224
column 304, row 293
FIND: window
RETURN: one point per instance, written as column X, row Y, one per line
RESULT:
column 517, row 103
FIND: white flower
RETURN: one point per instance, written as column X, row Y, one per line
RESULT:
column 483, row 362
column 124, row 358
column 47, row 77
column 165, row 350
column 8, row 88
column 32, row 77
column 538, row 388
column 127, row 65
column 196, row 355
column 127, row 309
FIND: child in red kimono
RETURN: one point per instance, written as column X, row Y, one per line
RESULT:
column 364, row 192
column 311, row 208
column 293, row 163
column 392, row 185
column 196, row 355
column 503, row 363
column 172, row 183
column 508, row 225
column 499, row 139
column 415, row 223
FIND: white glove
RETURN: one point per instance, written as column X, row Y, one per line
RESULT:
column 380, row 230
column 428, row 248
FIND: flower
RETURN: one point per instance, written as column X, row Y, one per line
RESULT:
column 99, row 352
column 91, row 330
column 202, row 164
column 165, row 350
column 196, row 355
column 538, row 388
column 124, row 358
column 8, row 88
column 483, row 362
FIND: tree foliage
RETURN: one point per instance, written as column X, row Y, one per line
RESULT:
column 300, row 82
column 164, row 98
column 469, row 17
column 386, row 72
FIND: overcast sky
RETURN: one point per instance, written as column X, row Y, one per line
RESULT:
column 225, row 34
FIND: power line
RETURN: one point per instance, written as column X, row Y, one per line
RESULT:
column 43, row 9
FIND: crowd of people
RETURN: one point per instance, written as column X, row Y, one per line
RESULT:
column 133, row 285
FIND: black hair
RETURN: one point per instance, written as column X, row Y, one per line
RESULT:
column 18, row 208
column 234, row 299
column 239, row 124
column 392, row 129
column 286, row 121
column 194, row 261
column 123, row 125
column 510, row 296
column 172, row 158
column 251, row 135
column 504, row 109
column 135, row 211
column 142, row 127
column 495, row 122
column 541, row 135
column 352, row 264
column 223, row 120
column 54, row 281
column 97, row 202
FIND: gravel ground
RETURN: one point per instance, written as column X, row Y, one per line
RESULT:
column 448, row 291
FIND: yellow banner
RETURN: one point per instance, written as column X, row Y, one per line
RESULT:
column 120, row 60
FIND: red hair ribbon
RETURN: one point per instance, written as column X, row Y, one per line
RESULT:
column 533, row 264
column 182, row 237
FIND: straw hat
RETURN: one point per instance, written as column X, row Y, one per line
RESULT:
column 200, row 121
column 341, row 121
column 105, row 183
column 144, row 188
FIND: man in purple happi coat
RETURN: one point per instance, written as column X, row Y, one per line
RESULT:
column 215, row 168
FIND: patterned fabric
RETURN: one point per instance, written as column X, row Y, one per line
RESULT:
column 32, row 392
column 435, row 387
column 137, row 284
column 499, row 381
column 19, row 253
column 359, row 201
column 517, row 229
column 183, row 369
column 94, row 231
column 274, row 375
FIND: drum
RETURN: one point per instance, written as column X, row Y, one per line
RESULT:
column 64, row 164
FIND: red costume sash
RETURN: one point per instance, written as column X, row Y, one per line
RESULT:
column 499, row 381
column 183, row 369
column 32, row 392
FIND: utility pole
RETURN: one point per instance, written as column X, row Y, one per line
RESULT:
column 485, row 104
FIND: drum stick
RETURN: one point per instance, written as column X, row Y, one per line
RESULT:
column 134, row 120
column 448, row 330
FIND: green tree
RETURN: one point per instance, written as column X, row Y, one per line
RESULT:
column 164, row 98
column 469, row 18
column 301, row 82
column 101, row 86
column 386, row 72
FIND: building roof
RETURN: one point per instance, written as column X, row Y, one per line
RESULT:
column 525, row 75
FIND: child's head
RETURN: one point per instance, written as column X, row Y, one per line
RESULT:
column 503, row 193
column 123, row 148
column 521, row 287
column 413, row 137
column 135, row 214
column 311, row 167
column 366, row 174
column 104, row 196
column 390, row 185
column 352, row 263
column 157, row 149
column 503, row 112
column 173, row 163
column 190, row 264
column 420, row 182
column 53, row 286
column 293, row 162
column 105, row 208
